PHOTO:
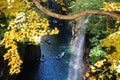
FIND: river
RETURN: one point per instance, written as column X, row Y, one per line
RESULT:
column 69, row 67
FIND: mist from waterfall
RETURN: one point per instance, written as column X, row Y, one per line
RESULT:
column 76, row 65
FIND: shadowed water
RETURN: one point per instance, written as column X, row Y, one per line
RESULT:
column 69, row 67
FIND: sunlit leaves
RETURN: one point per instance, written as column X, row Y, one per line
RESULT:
column 25, row 26
column 96, row 53
column 113, row 6
column 114, row 57
column 3, row 4
column 14, row 6
column 108, row 67
column 13, row 57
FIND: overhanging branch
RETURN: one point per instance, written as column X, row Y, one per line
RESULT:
column 74, row 16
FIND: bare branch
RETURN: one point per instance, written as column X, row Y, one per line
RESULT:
column 74, row 16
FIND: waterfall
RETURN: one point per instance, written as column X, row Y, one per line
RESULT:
column 76, row 65
column 69, row 67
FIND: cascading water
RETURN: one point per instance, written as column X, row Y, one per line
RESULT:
column 76, row 65
column 69, row 67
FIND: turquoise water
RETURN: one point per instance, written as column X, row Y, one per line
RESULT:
column 69, row 67
column 52, row 68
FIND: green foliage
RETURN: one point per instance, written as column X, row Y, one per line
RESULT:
column 94, row 41
column 104, row 46
column 82, row 5
column 96, row 25
column 95, row 29
column 96, row 53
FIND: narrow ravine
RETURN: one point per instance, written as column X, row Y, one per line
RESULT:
column 51, row 68
column 69, row 67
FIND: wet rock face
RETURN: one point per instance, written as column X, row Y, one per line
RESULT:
column 32, row 53
column 78, row 48
column 76, row 28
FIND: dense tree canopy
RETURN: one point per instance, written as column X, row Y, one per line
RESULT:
column 25, row 23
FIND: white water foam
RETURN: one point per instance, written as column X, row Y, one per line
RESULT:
column 76, row 65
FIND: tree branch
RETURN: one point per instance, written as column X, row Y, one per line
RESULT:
column 74, row 16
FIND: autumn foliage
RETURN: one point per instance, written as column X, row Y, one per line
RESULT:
column 25, row 25
column 108, row 68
